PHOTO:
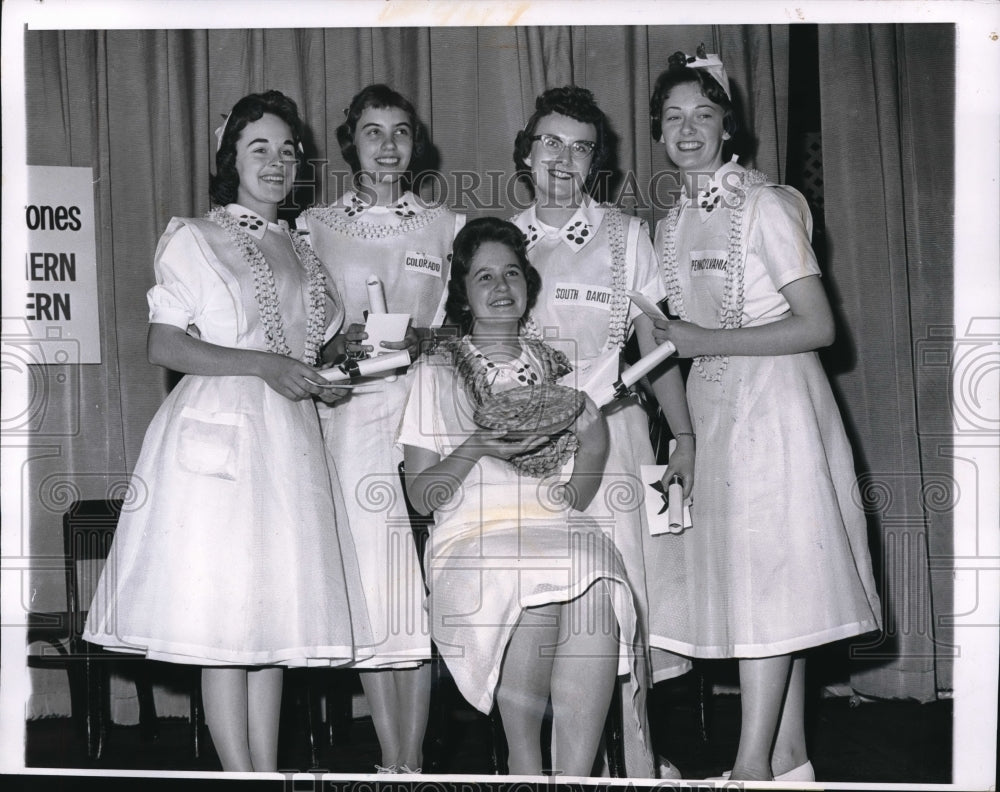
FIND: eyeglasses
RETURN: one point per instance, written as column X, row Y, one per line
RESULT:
column 578, row 149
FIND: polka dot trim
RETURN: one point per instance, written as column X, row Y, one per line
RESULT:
column 356, row 207
column 578, row 232
column 710, row 199
column 402, row 209
column 514, row 370
column 250, row 222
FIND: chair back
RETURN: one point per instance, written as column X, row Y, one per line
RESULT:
column 88, row 530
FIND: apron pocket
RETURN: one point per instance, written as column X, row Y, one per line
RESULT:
column 210, row 443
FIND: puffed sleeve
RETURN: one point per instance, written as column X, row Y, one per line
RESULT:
column 781, row 227
column 420, row 424
column 183, row 277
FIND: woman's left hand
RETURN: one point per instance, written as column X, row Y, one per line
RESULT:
column 690, row 339
column 331, row 395
column 410, row 342
column 681, row 464
column 591, row 426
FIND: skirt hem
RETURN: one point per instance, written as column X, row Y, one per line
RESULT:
column 771, row 649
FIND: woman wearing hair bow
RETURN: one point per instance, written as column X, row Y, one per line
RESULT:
column 226, row 556
column 779, row 560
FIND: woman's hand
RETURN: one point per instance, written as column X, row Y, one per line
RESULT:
column 330, row 395
column 681, row 464
column 689, row 338
column 488, row 442
column 410, row 342
column 292, row 378
column 355, row 335
column 591, row 428
column 334, row 349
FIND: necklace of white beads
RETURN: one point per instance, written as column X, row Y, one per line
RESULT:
column 266, row 292
column 712, row 367
column 618, row 318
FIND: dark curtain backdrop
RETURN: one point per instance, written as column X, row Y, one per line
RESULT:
column 140, row 107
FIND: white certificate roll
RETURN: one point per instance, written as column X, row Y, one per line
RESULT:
column 376, row 295
column 675, row 510
column 370, row 367
column 644, row 365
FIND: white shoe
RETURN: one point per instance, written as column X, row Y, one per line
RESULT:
column 804, row 772
column 665, row 769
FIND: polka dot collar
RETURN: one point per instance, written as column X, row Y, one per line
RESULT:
column 720, row 192
column 578, row 231
column 513, row 373
column 252, row 223
column 354, row 204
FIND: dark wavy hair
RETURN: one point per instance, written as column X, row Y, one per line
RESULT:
column 377, row 97
column 463, row 250
column 576, row 103
column 678, row 73
column 224, row 185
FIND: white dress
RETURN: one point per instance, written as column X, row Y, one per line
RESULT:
column 777, row 559
column 581, row 311
column 407, row 246
column 227, row 550
column 500, row 545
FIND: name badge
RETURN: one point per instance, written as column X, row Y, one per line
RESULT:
column 582, row 294
column 709, row 262
column 422, row 263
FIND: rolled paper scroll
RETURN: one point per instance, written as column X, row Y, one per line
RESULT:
column 641, row 368
column 376, row 295
column 367, row 367
column 675, row 499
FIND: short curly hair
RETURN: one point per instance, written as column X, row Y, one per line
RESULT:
column 467, row 243
column 678, row 73
column 379, row 96
column 223, row 187
column 576, row 103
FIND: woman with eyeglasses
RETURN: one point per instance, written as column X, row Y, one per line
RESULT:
column 589, row 256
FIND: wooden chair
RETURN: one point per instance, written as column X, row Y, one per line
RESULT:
column 88, row 530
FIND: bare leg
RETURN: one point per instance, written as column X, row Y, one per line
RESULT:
column 413, row 687
column 264, row 710
column 790, row 744
column 380, row 690
column 523, row 690
column 763, row 681
column 224, row 695
column 583, row 678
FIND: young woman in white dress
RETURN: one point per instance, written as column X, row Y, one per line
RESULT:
column 778, row 561
column 589, row 256
column 382, row 229
column 528, row 597
column 227, row 553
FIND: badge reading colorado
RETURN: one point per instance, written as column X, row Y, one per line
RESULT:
column 422, row 263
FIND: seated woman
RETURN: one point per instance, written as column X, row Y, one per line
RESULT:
column 528, row 597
